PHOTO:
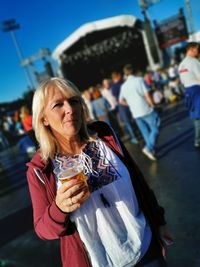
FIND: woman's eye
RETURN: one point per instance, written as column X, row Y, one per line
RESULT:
column 59, row 104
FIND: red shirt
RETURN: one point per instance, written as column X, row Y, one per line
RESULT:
column 27, row 123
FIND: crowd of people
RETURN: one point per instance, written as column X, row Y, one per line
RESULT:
column 156, row 88
column 14, row 127
column 103, row 101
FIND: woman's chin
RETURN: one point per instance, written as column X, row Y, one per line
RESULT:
column 70, row 132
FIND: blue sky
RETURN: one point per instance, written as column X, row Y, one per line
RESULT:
column 45, row 23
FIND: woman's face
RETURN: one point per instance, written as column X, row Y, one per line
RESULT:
column 62, row 114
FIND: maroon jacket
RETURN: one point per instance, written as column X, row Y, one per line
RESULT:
column 51, row 223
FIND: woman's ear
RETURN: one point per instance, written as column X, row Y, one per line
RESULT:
column 45, row 121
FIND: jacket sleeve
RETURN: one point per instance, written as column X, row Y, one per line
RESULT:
column 49, row 221
column 145, row 194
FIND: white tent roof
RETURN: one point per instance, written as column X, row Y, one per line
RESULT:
column 123, row 20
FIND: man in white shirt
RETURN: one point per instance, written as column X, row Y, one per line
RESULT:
column 136, row 95
column 189, row 71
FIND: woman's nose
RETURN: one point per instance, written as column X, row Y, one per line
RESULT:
column 68, row 108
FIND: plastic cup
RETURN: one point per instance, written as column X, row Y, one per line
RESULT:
column 73, row 169
column 69, row 174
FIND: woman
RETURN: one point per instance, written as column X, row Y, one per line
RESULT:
column 120, row 223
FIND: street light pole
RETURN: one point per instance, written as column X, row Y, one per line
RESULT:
column 190, row 19
column 10, row 26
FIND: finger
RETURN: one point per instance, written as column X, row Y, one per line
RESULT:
column 79, row 197
column 75, row 195
column 68, row 202
column 74, row 190
column 68, row 206
column 69, row 184
column 72, row 208
column 72, row 203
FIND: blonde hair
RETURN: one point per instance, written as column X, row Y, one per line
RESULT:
column 47, row 141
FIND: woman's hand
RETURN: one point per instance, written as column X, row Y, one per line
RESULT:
column 166, row 235
column 71, row 195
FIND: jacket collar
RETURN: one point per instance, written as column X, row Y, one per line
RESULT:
column 38, row 162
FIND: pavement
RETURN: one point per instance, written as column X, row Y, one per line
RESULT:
column 174, row 177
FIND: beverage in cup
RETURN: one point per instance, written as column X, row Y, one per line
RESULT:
column 68, row 174
column 72, row 168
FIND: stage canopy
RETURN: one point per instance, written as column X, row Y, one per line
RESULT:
column 95, row 49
